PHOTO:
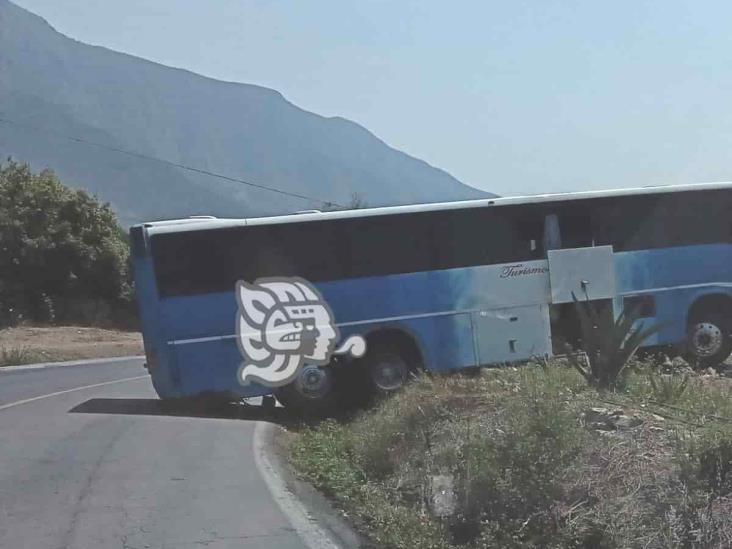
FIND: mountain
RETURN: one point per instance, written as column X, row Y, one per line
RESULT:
column 55, row 88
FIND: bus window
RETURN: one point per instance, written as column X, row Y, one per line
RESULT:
column 624, row 222
column 576, row 230
column 570, row 226
column 310, row 249
column 383, row 245
column 484, row 236
column 631, row 223
column 530, row 231
column 198, row 262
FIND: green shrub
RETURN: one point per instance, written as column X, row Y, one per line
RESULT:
column 524, row 470
column 511, row 469
column 326, row 454
column 57, row 246
column 607, row 343
column 668, row 388
column 328, row 458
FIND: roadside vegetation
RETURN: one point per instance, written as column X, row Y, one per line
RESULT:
column 535, row 457
column 597, row 451
column 64, row 273
column 15, row 356
column 63, row 257
column 33, row 344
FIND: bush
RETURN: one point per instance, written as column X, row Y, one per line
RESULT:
column 15, row 356
column 668, row 388
column 514, row 472
column 504, row 449
column 514, row 464
column 331, row 457
column 707, row 461
column 607, row 343
column 57, row 246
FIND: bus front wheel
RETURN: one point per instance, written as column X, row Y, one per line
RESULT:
column 312, row 392
column 710, row 340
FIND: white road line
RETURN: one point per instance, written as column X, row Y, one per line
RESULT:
column 82, row 362
column 57, row 393
column 306, row 527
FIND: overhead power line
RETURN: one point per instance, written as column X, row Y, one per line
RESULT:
column 328, row 203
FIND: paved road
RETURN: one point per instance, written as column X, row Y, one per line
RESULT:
column 105, row 467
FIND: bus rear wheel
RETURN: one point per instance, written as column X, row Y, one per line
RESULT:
column 312, row 393
column 710, row 340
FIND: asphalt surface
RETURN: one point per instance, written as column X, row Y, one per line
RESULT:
column 107, row 466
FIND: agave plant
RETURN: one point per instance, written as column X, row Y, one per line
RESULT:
column 607, row 343
column 668, row 388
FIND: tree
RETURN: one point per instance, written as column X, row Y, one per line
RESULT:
column 58, row 247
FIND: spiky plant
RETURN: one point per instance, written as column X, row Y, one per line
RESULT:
column 668, row 388
column 607, row 343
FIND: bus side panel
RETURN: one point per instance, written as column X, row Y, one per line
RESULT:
column 435, row 307
column 452, row 290
column 446, row 342
column 513, row 334
column 673, row 267
column 213, row 366
column 674, row 278
column 202, row 341
column 376, row 299
column 441, row 310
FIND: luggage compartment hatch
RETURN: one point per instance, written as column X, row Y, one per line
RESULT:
column 586, row 272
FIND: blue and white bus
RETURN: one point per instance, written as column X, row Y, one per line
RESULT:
column 438, row 287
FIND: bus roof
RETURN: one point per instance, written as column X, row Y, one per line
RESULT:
column 197, row 223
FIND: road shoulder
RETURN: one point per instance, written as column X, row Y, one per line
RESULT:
column 317, row 522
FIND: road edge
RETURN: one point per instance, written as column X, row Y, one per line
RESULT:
column 310, row 513
column 60, row 364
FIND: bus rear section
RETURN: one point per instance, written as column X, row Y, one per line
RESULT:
column 189, row 339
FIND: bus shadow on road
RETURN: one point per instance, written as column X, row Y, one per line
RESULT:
column 154, row 407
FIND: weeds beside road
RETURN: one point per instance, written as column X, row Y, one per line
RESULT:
column 534, row 457
column 29, row 344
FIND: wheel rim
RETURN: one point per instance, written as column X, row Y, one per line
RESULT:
column 706, row 339
column 388, row 372
column 313, row 382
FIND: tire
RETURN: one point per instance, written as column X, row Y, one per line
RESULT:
column 312, row 393
column 709, row 340
column 386, row 368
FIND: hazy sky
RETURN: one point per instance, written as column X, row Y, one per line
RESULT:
column 511, row 96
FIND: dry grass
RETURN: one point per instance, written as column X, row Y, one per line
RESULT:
column 528, row 468
column 15, row 356
column 28, row 344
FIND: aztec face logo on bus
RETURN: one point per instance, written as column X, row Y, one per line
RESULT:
column 282, row 324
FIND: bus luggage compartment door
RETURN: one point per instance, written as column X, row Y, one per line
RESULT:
column 508, row 335
column 588, row 273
